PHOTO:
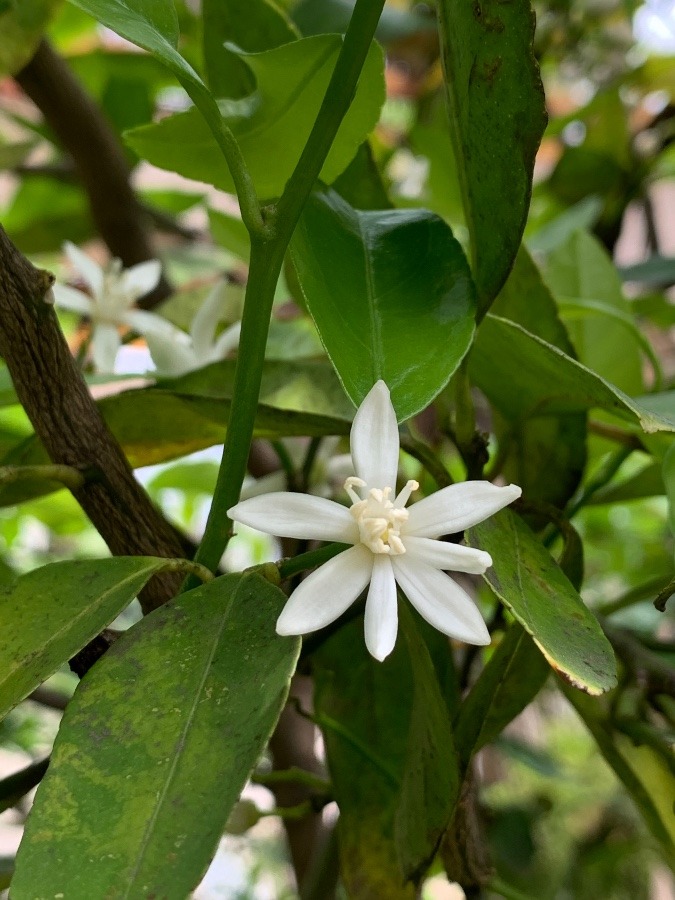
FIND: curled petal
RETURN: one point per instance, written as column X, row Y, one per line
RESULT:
column 374, row 439
column 105, row 343
column 90, row 271
column 439, row 600
column 227, row 341
column 381, row 620
column 141, row 279
column 148, row 323
column 451, row 557
column 203, row 328
column 458, row 507
column 327, row 593
column 73, row 300
column 297, row 516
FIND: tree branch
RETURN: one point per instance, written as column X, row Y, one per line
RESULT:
column 101, row 165
column 67, row 421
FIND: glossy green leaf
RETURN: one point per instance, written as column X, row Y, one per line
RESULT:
column 545, row 455
column 512, row 677
column 156, row 745
column 523, row 375
column 391, row 295
column 581, row 270
column 363, row 708
column 497, row 118
column 52, row 612
column 273, row 123
column 526, row 579
column 252, row 25
column 22, row 24
column 430, row 784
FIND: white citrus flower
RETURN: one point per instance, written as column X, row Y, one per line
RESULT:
column 390, row 543
column 114, row 291
column 175, row 353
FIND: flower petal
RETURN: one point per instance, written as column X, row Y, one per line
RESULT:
column 327, row 593
column 73, row 300
column 203, row 328
column 285, row 514
column 457, row 507
column 440, row 600
column 451, row 557
column 374, row 439
column 90, row 271
column 141, row 279
column 227, row 341
column 105, row 342
column 381, row 621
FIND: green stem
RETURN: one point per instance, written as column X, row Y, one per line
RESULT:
column 269, row 241
column 639, row 594
column 296, row 564
column 293, row 775
column 603, row 477
column 68, row 476
column 426, row 456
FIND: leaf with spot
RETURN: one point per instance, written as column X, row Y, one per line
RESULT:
column 156, row 746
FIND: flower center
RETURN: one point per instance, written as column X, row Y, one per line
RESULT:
column 379, row 518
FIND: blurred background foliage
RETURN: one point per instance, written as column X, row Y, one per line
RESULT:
column 602, row 229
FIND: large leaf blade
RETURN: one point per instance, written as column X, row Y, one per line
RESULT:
column 164, row 730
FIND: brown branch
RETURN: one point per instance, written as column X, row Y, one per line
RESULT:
column 67, row 421
column 101, row 165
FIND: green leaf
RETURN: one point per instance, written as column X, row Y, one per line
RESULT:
column 327, row 16
column 52, row 612
column 230, row 232
column 363, row 708
column 526, row 579
column 646, row 482
column 523, row 376
column 582, row 271
column 497, row 118
column 545, row 455
column 391, row 295
column 430, row 784
column 22, row 24
column 156, row 745
column 512, row 677
column 252, row 25
column 657, row 271
column 273, row 124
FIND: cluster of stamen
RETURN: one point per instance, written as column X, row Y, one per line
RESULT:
column 378, row 517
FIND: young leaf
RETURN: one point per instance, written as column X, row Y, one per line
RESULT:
column 156, row 746
column 497, row 118
column 253, row 25
column 52, row 612
column 526, row 579
column 391, row 295
column 523, row 375
column 272, row 124
column 22, row 25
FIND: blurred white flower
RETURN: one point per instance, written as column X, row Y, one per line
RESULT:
column 175, row 353
column 654, row 26
column 113, row 292
column 390, row 543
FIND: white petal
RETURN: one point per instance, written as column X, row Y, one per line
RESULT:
column 381, row 621
column 457, row 507
column 439, row 600
column 203, row 328
column 148, row 323
column 73, row 300
column 227, row 341
column 90, row 271
column 141, row 279
column 374, row 439
column 451, row 557
column 327, row 593
column 105, row 343
column 291, row 515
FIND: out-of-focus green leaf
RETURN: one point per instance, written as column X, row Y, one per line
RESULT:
column 668, row 477
column 22, row 24
column 582, row 271
column 431, row 776
column 174, row 715
column 272, row 124
column 14, row 153
column 51, row 613
column 583, row 215
column 44, row 212
column 655, row 271
column 361, row 183
column 545, row 455
column 391, row 295
column 511, row 679
column 332, row 16
column 497, row 118
column 230, row 232
column 526, row 376
column 647, row 482
column 252, row 25
column 531, row 585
